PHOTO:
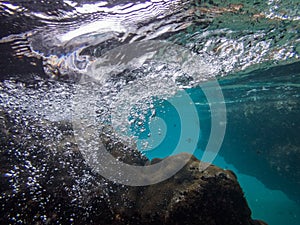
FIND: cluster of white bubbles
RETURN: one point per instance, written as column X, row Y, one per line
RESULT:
column 122, row 84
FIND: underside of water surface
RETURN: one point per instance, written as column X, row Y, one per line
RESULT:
column 217, row 79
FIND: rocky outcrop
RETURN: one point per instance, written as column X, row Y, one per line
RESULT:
column 212, row 196
column 45, row 180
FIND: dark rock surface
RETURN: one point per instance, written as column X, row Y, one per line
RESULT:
column 191, row 197
column 44, row 180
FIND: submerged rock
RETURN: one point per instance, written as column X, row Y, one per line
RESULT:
column 45, row 180
column 191, row 196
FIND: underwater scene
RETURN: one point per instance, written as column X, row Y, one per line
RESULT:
column 150, row 112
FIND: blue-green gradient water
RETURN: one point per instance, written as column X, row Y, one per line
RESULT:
column 261, row 143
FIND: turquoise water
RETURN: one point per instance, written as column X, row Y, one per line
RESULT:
column 252, row 47
column 272, row 196
column 272, row 206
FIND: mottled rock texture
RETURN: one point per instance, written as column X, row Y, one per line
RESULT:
column 212, row 196
column 45, row 180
